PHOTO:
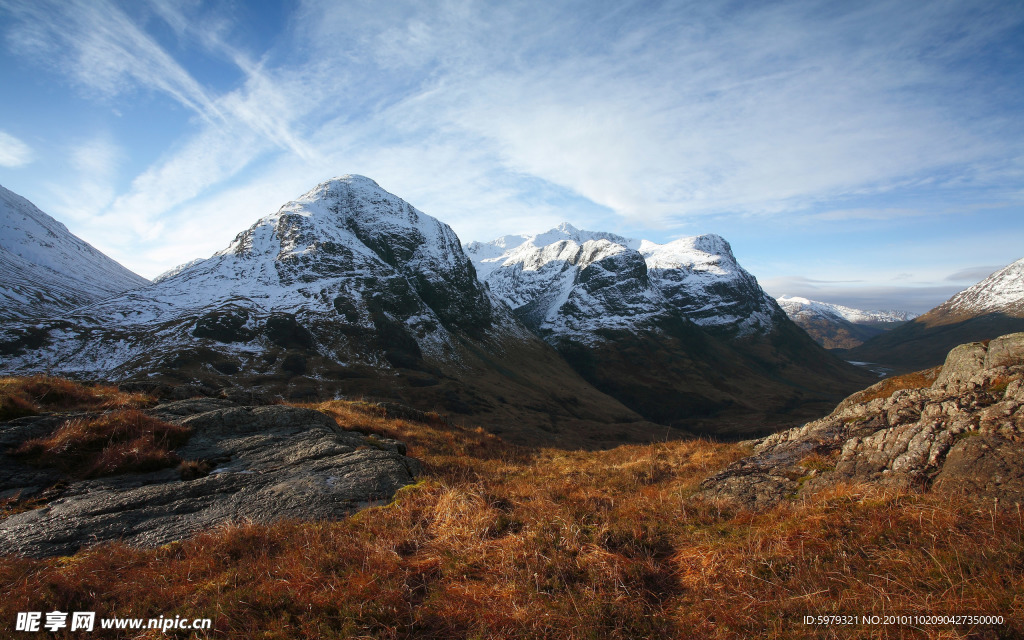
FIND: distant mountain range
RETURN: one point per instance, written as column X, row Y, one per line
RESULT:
column 679, row 332
column 47, row 269
column 991, row 308
column 837, row 327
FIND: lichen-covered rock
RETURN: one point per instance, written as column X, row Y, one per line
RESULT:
column 265, row 463
column 961, row 433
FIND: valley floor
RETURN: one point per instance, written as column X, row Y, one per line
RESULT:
column 498, row 541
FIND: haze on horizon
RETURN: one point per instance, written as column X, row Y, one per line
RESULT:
column 867, row 154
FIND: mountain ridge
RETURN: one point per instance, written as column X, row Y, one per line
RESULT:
column 47, row 269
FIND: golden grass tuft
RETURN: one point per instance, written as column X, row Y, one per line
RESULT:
column 997, row 385
column 21, row 396
column 115, row 442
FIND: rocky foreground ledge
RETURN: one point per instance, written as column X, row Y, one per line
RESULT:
column 261, row 464
column 962, row 433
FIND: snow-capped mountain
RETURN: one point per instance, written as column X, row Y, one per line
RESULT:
column 347, row 252
column 837, row 327
column 991, row 308
column 45, row 269
column 795, row 307
column 679, row 332
column 570, row 282
column 347, row 289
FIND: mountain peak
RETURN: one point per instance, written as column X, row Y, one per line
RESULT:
column 837, row 327
column 711, row 244
column 551, row 269
column 345, row 290
column 346, row 213
column 348, row 180
column 566, row 231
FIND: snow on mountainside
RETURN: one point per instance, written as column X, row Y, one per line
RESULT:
column 795, row 307
column 1003, row 291
column 346, row 253
column 314, row 253
column 170, row 273
column 44, row 268
column 837, row 327
column 567, row 281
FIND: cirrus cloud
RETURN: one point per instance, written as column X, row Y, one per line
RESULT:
column 14, row 152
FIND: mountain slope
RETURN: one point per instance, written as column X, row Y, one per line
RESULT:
column 347, row 290
column 991, row 308
column 837, row 327
column 678, row 332
column 45, row 269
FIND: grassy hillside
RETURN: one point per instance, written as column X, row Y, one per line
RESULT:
column 502, row 541
column 924, row 341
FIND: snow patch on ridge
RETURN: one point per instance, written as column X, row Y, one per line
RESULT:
column 795, row 306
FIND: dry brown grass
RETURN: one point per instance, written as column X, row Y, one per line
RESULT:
column 115, row 442
column 36, row 394
column 504, row 542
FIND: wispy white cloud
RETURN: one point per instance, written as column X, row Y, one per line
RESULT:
column 102, row 49
column 91, row 185
column 208, row 159
column 14, row 152
column 98, row 156
column 881, row 213
column 263, row 103
column 689, row 109
column 508, row 117
column 973, row 275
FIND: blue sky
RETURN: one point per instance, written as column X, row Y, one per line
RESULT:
column 867, row 153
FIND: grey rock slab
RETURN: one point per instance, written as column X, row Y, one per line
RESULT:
column 272, row 462
column 984, row 465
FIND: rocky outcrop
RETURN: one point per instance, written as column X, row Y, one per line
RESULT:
column 260, row 464
column 958, row 428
